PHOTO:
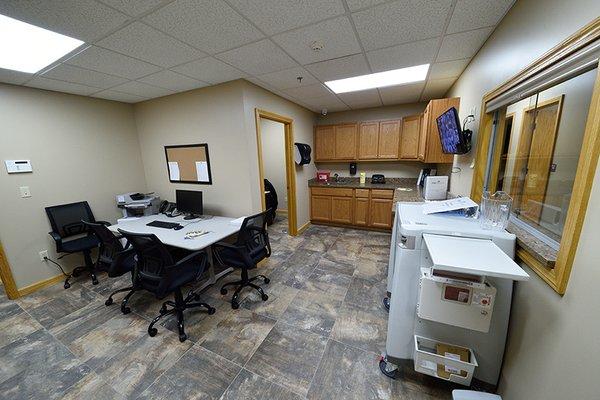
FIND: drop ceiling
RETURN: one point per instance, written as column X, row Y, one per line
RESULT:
column 141, row 49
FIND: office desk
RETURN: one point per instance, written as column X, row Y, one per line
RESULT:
column 218, row 227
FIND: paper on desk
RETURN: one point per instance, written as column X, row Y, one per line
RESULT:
column 237, row 221
column 202, row 171
column 173, row 171
column 458, row 203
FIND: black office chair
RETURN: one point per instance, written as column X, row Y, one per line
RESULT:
column 160, row 274
column 252, row 246
column 115, row 259
column 66, row 223
column 271, row 201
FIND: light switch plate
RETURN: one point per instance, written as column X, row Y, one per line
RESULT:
column 25, row 192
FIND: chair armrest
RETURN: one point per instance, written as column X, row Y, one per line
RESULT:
column 104, row 223
column 55, row 236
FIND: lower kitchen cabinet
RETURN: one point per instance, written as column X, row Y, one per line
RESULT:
column 341, row 210
column 381, row 213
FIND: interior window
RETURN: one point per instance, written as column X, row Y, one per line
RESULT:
column 541, row 143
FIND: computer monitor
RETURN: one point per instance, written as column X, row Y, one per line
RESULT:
column 450, row 132
column 189, row 202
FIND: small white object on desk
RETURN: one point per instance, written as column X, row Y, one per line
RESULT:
column 195, row 234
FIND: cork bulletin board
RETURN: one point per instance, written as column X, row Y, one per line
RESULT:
column 188, row 163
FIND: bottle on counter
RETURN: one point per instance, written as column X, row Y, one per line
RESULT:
column 363, row 178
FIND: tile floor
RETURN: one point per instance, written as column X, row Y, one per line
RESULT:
column 317, row 337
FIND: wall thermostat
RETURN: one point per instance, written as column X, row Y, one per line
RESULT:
column 18, row 166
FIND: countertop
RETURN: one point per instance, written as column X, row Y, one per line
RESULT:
column 405, row 189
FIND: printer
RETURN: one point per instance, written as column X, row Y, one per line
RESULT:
column 138, row 204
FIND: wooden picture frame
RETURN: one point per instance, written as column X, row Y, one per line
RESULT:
column 188, row 163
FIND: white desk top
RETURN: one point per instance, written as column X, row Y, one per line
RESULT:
column 218, row 227
column 472, row 256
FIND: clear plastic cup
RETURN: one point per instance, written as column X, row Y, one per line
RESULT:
column 495, row 210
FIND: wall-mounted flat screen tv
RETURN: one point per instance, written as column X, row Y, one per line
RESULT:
column 451, row 135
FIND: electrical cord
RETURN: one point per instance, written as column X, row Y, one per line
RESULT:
column 58, row 265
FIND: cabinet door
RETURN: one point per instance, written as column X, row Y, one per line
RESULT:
column 381, row 213
column 409, row 139
column 324, row 143
column 346, row 141
column 368, row 139
column 341, row 210
column 361, row 211
column 389, row 139
column 320, row 208
column 424, row 133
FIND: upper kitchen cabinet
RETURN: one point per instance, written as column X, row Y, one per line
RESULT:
column 430, row 147
column 336, row 142
column 324, row 143
column 409, row 141
column 379, row 140
column 368, row 140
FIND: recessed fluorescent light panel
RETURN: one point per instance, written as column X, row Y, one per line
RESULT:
column 28, row 48
column 394, row 77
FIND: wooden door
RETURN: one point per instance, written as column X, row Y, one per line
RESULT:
column 368, row 140
column 341, row 210
column 320, row 208
column 381, row 213
column 409, row 139
column 389, row 139
column 346, row 141
column 324, row 143
column 361, row 211
column 424, row 132
column 541, row 152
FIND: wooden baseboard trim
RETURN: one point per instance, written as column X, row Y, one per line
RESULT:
column 303, row 228
column 40, row 285
column 360, row 228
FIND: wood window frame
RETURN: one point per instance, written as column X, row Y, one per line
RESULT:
column 557, row 277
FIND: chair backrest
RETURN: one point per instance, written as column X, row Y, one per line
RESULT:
column 153, row 257
column 110, row 245
column 66, row 219
column 253, row 235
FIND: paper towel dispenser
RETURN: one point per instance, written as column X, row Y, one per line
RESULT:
column 302, row 153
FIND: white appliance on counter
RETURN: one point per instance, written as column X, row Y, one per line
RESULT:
column 435, row 187
column 450, row 283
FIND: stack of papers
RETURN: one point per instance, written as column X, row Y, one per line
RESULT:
column 459, row 203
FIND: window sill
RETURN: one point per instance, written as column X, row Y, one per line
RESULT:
column 537, row 249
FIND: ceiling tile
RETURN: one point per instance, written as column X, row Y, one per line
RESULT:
column 60, row 86
column 133, row 7
column 118, row 96
column 173, row 81
column 329, row 102
column 362, row 99
column 340, row 68
column 209, row 70
column 209, row 25
column 282, row 15
column 145, row 43
column 401, row 22
column 336, row 35
column 463, row 45
column 404, row 55
column 85, row 20
column 98, row 59
column 360, row 4
column 142, row 89
column 14, row 77
column 401, row 94
column 435, row 89
column 288, row 78
column 258, row 58
column 309, row 92
column 448, row 69
column 477, row 14
column 70, row 73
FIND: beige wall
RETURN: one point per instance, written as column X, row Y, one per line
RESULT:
column 405, row 169
column 80, row 148
column 554, row 342
column 272, row 136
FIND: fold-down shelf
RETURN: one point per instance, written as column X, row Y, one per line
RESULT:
column 472, row 256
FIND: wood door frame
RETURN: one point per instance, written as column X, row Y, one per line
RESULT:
column 288, row 124
column 10, row 287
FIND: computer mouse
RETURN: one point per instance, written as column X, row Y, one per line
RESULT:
column 178, row 228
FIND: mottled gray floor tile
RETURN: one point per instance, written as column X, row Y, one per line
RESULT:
column 249, row 386
column 237, row 337
column 17, row 326
column 42, row 296
column 361, row 327
column 374, row 270
column 289, row 356
column 366, row 293
column 297, row 268
column 280, row 297
column 139, row 364
column 8, row 308
column 82, row 321
column 199, row 374
column 350, row 246
column 315, row 312
column 350, row 374
column 332, row 284
column 376, row 252
column 318, row 242
column 108, row 285
column 145, row 304
column 92, row 387
column 335, row 266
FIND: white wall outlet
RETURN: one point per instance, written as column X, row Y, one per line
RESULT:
column 43, row 255
column 473, row 110
column 25, row 192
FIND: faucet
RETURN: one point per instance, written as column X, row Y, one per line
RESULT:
column 335, row 177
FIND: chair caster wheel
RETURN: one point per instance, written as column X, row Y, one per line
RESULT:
column 223, row 292
column 267, row 281
column 265, row 297
column 235, row 305
column 163, row 310
column 211, row 310
column 182, row 338
column 152, row 331
column 108, row 302
column 197, row 297
column 67, row 285
column 126, row 310
column 94, row 281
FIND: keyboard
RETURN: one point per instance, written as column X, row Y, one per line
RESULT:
column 162, row 224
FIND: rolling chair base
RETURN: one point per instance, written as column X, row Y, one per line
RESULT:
column 78, row 271
column 124, row 308
column 178, row 307
column 241, row 284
